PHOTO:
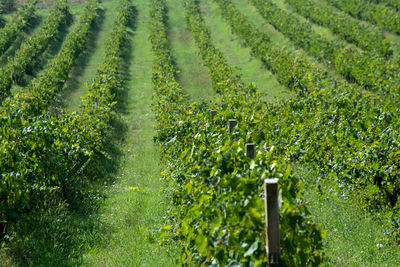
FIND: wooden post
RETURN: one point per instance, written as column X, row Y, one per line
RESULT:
column 335, row 84
column 273, row 247
column 213, row 113
column 232, row 124
column 14, row 73
column 250, row 150
column 326, row 105
column 354, row 104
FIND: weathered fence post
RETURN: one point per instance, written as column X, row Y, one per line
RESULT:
column 213, row 113
column 232, row 124
column 273, row 247
column 250, row 150
column 14, row 73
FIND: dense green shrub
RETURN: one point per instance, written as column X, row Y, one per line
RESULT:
column 219, row 211
column 379, row 14
column 18, row 22
column 28, row 55
column 347, row 135
column 366, row 37
column 368, row 69
column 51, row 152
column 42, row 90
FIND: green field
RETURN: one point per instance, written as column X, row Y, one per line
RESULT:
column 110, row 158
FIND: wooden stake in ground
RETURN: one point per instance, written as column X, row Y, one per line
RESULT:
column 232, row 124
column 250, row 150
column 213, row 113
column 273, row 247
column 14, row 74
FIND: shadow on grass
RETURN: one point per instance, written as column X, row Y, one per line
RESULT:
column 59, row 233
column 73, row 84
column 122, row 95
column 354, row 237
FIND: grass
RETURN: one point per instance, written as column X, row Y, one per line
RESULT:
column 84, row 72
column 41, row 15
column 79, row 73
column 353, row 237
column 329, row 35
column 395, row 40
column 121, row 228
column 135, row 205
column 255, row 18
column 193, row 75
column 279, row 38
column 85, row 68
column 275, row 36
column 238, row 56
column 325, row 32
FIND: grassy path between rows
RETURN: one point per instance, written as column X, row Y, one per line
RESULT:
column 327, row 33
column 123, row 232
column 353, row 238
column 86, row 66
column 254, row 17
column 275, row 36
column 120, row 229
column 193, row 75
column 238, row 56
column 135, row 205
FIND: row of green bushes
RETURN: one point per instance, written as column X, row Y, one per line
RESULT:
column 367, row 37
column 393, row 3
column 368, row 69
column 19, row 21
column 7, row 6
column 53, row 152
column 28, row 55
column 346, row 135
column 42, row 91
column 380, row 14
column 219, row 214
